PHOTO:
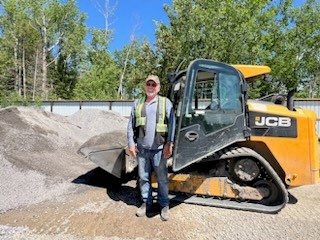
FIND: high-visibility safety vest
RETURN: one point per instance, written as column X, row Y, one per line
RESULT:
column 140, row 114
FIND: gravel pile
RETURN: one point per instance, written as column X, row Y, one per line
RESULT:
column 95, row 122
column 38, row 161
column 38, row 151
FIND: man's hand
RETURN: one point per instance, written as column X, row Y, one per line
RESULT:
column 167, row 150
column 133, row 151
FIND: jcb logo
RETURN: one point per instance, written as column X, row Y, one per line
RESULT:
column 273, row 121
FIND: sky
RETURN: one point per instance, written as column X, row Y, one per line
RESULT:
column 130, row 17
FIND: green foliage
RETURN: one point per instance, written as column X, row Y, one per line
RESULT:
column 99, row 83
column 101, row 77
column 262, row 32
column 137, row 60
column 28, row 27
column 12, row 100
column 64, row 78
column 227, row 31
column 246, row 32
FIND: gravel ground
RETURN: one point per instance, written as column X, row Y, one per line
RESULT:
column 48, row 191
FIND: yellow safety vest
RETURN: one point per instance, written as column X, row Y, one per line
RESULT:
column 161, row 110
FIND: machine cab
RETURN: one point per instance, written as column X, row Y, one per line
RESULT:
column 209, row 102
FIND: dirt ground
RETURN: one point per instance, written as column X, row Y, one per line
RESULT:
column 103, row 212
column 44, row 197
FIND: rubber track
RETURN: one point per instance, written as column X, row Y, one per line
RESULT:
column 236, row 152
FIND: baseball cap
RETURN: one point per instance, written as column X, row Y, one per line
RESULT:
column 153, row 78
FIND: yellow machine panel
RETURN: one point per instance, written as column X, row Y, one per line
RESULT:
column 250, row 71
column 298, row 156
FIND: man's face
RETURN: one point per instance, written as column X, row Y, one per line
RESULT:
column 152, row 88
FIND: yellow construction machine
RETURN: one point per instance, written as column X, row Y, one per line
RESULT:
column 230, row 151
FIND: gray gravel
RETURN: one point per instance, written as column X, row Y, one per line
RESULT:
column 38, row 152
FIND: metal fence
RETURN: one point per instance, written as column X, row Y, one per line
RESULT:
column 312, row 104
column 123, row 107
column 68, row 108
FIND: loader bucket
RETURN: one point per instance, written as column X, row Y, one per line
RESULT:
column 109, row 151
column 110, row 159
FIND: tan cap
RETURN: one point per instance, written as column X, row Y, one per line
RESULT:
column 153, row 78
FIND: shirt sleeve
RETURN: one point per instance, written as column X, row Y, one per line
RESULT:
column 171, row 121
column 131, row 124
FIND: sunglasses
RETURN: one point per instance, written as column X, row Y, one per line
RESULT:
column 151, row 84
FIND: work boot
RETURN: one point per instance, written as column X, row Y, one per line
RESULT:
column 142, row 210
column 164, row 215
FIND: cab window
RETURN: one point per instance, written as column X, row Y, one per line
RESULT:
column 214, row 101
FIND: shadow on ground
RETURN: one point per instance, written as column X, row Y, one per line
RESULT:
column 125, row 190
column 292, row 199
column 117, row 189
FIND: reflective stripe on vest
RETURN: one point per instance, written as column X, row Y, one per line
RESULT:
column 161, row 126
column 141, row 120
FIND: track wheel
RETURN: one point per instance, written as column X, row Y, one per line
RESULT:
column 245, row 169
column 270, row 190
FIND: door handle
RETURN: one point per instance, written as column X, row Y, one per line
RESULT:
column 192, row 136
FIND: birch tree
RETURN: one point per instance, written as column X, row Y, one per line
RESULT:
column 55, row 22
column 137, row 60
column 10, row 37
column 99, row 79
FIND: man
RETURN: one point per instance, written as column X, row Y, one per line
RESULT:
column 150, row 138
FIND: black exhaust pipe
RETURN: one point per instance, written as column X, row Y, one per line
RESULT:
column 290, row 103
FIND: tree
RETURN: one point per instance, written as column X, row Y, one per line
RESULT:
column 42, row 47
column 100, row 77
column 138, row 60
column 246, row 32
column 34, row 34
column 306, row 35
column 17, row 39
column 56, row 23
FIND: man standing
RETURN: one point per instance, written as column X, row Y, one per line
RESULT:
column 150, row 138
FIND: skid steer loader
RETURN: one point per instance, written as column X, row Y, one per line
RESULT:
column 230, row 151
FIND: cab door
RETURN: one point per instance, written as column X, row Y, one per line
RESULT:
column 210, row 115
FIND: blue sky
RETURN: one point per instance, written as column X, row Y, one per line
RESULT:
column 130, row 16
column 127, row 15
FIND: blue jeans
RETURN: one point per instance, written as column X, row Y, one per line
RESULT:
column 152, row 160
